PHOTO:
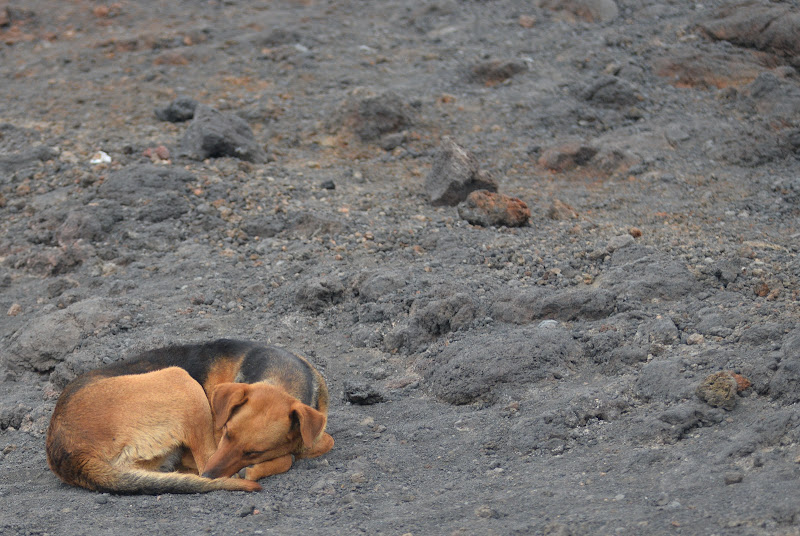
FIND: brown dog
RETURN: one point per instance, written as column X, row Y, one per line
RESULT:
column 119, row 428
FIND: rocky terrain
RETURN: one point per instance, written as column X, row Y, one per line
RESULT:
column 544, row 252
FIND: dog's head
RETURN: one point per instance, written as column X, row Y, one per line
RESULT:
column 258, row 422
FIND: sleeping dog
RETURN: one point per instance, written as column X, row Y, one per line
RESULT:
column 183, row 419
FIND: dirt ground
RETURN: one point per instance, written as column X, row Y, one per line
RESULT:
column 182, row 171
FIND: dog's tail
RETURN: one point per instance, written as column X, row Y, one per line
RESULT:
column 140, row 481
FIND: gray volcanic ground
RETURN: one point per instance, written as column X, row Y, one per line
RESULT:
column 295, row 172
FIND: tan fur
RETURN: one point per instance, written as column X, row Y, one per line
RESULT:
column 260, row 425
column 147, row 425
column 114, row 434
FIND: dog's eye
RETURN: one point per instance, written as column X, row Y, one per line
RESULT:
column 253, row 452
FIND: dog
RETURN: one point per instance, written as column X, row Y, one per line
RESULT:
column 185, row 419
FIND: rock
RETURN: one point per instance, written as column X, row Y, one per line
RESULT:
column 454, row 175
column 320, row 293
column 772, row 28
column 86, row 224
column 586, row 10
column 473, row 368
column 692, row 69
column 277, row 37
column 719, row 389
column 361, row 393
column 10, row 162
column 567, row 156
column 524, row 307
column 12, row 416
column 662, row 381
column 214, row 134
column 179, row 110
column 487, row 512
column 492, row 209
column 785, row 383
column 432, row 320
column 687, row 416
column 496, row 71
column 733, row 477
column 642, row 273
column 153, row 193
column 372, row 116
column 43, row 344
column 559, row 210
column 610, row 91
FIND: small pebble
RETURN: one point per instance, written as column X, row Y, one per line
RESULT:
column 733, row 478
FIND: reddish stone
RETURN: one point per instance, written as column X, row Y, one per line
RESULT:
column 488, row 208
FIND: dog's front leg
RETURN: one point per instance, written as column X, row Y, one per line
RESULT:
column 268, row 468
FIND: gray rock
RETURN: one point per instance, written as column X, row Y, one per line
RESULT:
column 524, row 307
column 214, row 134
column 362, row 394
column 320, row 293
column 641, row 273
column 454, row 174
column 610, row 91
column 469, row 370
column 662, row 381
column 153, row 193
column 432, row 320
column 43, row 344
column 785, row 384
column 375, row 115
column 181, row 109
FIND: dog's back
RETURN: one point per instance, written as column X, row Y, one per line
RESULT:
column 236, row 361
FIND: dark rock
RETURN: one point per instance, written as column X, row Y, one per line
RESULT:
column 524, row 307
column 90, row 225
column 154, row 193
column 492, row 209
column 432, row 320
column 567, row 156
column 318, row 294
column 361, row 393
column 772, row 28
column 373, row 116
column 586, row 10
column 687, row 416
column 785, row 384
column 263, row 226
column 181, row 109
column 638, row 272
column 454, row 175
column 12, row 417
column 214, row 134
column 662, row 381
column 610, row 91
column 43, row 344
column 496, row 71
column 277, row 37
column 468, row 370
column 12, row 161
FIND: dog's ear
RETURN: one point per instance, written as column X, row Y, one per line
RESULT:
column 312, row 422
column 225, row 398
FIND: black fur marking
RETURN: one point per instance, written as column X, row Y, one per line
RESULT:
column 287, row 368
